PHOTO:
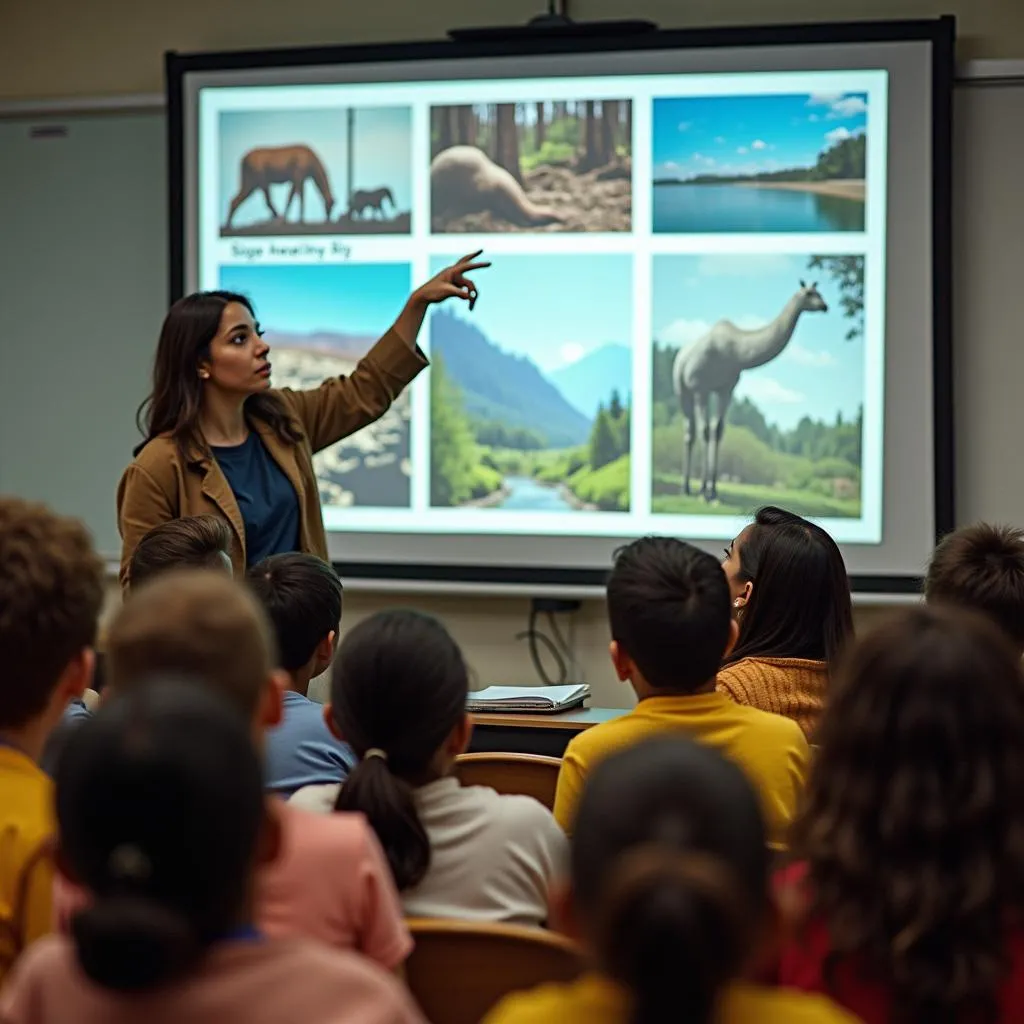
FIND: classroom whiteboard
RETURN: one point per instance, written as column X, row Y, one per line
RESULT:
column 84, row 278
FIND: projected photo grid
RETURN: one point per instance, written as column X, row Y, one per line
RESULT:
column 679, row 326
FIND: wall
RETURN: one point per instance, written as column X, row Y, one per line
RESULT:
column 59, row 48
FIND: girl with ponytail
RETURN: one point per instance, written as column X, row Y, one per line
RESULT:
column 398, row 698
column 162, row 817
column 669, row 895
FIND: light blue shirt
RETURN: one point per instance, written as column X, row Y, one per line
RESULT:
column 301, row 751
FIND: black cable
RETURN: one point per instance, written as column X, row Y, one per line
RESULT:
column 563, row 645
column 536, row 640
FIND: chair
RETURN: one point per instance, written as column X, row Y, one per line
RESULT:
column 459, row 970
column 528, row 774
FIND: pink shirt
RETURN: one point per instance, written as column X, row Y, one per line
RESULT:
column 258, row 982
column 329, row 882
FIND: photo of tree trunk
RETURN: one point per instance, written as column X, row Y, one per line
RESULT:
column 542, row 166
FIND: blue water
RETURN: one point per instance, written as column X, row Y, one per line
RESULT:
column 721, row 208
column 525, row 493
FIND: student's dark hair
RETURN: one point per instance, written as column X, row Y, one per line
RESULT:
column 668, row 608
column 302, row 597
column 160, row 805
column 51, row 593
column 913, row 828
column 670, row 875
column 189, row 542
column 982, row 567
column 399, row 686
column 174, row 402
column 800, row 604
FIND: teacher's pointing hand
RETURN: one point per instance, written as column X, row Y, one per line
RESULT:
column 453, row 282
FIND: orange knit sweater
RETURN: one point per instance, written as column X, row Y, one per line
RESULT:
column 793, row 687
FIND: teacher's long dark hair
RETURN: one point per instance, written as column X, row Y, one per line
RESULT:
column 174, row 404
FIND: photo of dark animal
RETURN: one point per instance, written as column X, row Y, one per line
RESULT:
column 282, row 165
column 362, row 201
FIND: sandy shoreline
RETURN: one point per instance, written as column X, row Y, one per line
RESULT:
column 840, row 188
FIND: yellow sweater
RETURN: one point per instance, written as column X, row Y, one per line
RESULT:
column 793, row 687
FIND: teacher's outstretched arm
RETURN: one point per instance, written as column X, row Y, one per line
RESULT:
column 343, row 405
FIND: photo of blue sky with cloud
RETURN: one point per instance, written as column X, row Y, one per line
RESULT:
column 819, row 373
column 554, row 309
column 742, row 135
column 382, row 157
column 354, row 298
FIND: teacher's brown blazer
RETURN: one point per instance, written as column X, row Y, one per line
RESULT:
column 161, row 485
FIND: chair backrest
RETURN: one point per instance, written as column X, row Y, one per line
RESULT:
column 529, row 774
column 459, row 970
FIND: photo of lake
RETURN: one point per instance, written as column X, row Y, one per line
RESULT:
column 760, row 164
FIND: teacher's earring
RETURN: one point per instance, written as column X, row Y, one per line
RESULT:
column 204, row 374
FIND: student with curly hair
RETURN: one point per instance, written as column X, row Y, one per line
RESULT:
column 910, row 872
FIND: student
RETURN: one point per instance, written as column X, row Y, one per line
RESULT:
column 911, row 847
column 331, row 881
column 301, row 594
column 398, row 695
column 189, row 542
column 161, row 940
column 791, row 598
column 51, row 592
column 668, row 607
column 670, row 898
column 982, row 567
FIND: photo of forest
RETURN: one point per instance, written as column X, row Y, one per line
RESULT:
column 544, row 166
column 523, row 416
column 794, row 421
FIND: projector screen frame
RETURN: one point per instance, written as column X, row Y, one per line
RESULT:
column 939, row 33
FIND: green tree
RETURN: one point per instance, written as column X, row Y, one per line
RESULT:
column 453, row 452
column 615, row 405
column 602, row 440
column 848, row 274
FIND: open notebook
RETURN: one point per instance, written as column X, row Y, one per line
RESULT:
column 536, row 699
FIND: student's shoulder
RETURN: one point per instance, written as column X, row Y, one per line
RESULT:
column 522, row 817
column 48, row 960
column 327, row 973
column 783, row 1006
column 778, row 727
column 599, row 738
column 307, row 833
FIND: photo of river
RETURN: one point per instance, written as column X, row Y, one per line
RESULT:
column 735, row 208
column 525, row 492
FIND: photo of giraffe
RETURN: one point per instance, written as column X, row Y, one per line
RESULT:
column 757, row 384
column 329, row 171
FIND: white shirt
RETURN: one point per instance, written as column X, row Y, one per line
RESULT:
column 493, row 857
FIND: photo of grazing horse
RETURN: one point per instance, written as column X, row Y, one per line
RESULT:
column 282, row 165
column 362, row 201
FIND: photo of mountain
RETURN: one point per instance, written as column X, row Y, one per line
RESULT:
column 584, row 382
column 319, row 321
column 526, row 412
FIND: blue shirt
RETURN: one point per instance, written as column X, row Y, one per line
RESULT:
column 265, row 496
column 302, row 751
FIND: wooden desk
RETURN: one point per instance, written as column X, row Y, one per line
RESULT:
column 535, row 734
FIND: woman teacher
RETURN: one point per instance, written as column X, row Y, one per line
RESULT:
column 220, row 440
